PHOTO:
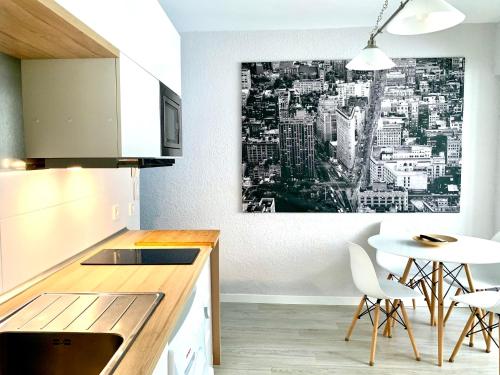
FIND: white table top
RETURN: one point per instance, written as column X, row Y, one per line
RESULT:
column 467, row 250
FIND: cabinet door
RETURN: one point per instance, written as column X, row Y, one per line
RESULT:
column 69, row 108
column 140, row 29
column 140, row 130
column 204, row 302
column 162, row 365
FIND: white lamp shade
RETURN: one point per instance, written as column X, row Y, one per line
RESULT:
column 425, row 16
column 371, row 58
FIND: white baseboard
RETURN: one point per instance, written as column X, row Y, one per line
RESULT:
column 298, row 300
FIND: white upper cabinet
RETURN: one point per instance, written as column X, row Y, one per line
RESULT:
column 138, row 28
column 90, row 108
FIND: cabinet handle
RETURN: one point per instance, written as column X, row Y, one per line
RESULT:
column 187, row 371
column 207, row 314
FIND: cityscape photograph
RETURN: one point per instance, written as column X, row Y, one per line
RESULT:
column 317, row 137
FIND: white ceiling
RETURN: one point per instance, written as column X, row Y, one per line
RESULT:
column 230, row 15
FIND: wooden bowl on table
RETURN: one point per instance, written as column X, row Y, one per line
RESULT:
column 434, row 240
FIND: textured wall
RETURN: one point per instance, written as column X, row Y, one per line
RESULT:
column 497, row 51
column 303, row 254
column 11, row 110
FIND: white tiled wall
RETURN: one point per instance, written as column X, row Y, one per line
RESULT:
column 50, row 215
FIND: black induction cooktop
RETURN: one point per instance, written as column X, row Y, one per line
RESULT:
column 154, row 256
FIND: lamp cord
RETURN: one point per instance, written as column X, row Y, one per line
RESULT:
column 377, row 30
column 379, row 18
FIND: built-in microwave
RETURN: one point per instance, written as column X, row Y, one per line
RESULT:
column 171, row 122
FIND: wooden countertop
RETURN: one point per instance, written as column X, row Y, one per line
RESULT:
column 179, row 237
column 175, row 281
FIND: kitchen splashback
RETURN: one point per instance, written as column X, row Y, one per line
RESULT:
column 48, row 216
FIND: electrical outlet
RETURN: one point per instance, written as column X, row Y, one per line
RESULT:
column 131, row 209
column 115, row 212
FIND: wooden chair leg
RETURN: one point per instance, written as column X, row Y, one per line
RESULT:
column 462, row 336
column 471, row 336
column 410, row 331
column 391, row 323
column 433, row 293
column 452, row 306
column 426, row 294
column 374, row 333
column 484, row 328
column 413, row 300
column 387, row 328
column 491, row 317
column 388, row 331
column 355, row 318
column 481, row 314
column 471, row 289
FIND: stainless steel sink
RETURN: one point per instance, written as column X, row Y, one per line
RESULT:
column 72, row 333
column 56, row 353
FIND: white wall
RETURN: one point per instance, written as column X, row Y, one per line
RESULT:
column 497, row 72
column 48, row 216
column 497, row 50
column 303, row 254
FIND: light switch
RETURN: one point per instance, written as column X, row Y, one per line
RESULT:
column 115, row 212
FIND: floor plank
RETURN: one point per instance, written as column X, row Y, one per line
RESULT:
column 264, row 339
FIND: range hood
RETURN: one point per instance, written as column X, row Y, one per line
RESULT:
column 44, row 163
column 92, row 113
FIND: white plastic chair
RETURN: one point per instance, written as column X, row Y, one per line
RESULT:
column 395, row 264
column 484, row 276
column 479, row 302
column 366, row 281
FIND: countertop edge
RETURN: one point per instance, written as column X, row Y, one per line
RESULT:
column 160, row 329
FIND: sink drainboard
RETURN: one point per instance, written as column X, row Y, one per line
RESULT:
column 72, row 333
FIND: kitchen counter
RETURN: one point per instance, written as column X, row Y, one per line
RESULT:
column 175, row 281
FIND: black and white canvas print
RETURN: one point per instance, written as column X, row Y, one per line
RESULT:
column 317, row 137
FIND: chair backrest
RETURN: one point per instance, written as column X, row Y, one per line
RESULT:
column 489, row 273
column 386, row 260
column 496, row 237
column 363, row 272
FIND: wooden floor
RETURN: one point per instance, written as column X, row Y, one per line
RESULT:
column 260, row 339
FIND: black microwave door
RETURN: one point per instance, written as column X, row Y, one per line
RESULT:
column 171, row 128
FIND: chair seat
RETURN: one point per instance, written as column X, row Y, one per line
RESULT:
column 488, row 300
column 394, row 290
column 479, row 282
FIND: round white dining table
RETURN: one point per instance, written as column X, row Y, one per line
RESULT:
column 467, row 250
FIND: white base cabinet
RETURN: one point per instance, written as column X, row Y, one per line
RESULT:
column 189, row 352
